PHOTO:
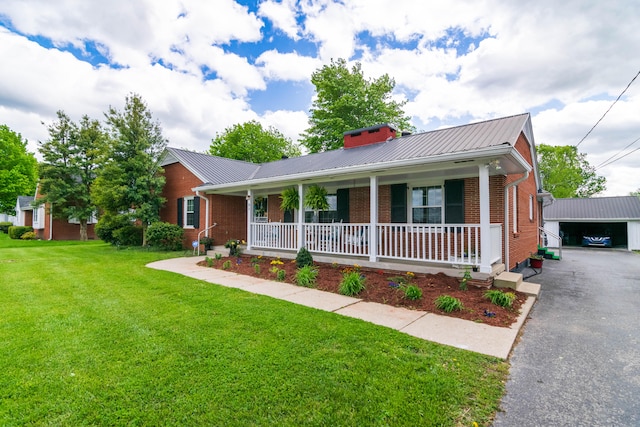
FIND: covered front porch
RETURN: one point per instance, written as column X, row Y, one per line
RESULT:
column 423, row 236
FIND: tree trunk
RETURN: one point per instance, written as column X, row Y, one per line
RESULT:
column 83, row 230
column 144, row 234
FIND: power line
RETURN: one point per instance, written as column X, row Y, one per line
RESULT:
column 619, row 158
column 609, row 109
column 602, row 164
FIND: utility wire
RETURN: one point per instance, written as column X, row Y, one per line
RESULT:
column 619, row 158
column 609, row 109
column 602, row 164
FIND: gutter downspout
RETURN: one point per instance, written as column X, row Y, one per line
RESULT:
column 206, row 212
column 506, row 216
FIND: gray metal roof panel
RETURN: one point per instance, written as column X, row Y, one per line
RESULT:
column 25, row 202
column 464, row 138
column 605, row 208
column 213, row 169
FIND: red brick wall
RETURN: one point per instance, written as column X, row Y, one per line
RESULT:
column 525, row 240
column 230, row 212
column 384, row 204
column 359, row 204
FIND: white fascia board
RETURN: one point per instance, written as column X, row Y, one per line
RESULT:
column 501, row 150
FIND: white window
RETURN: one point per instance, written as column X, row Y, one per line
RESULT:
column 326, row 216
column 530, row 207
column 426, row 205
column 189, row 212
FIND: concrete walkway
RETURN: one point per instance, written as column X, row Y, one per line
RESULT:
column 477, row 337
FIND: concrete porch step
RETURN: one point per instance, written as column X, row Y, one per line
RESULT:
column 514, row 281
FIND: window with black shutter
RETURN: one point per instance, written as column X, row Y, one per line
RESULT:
column 399, row 203
column 454, row 201
column 342, row 205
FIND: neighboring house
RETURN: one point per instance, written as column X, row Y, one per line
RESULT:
column 467, row 195
column 615, row 217
column 48, row 228
column 24, row 211
column 7, row 218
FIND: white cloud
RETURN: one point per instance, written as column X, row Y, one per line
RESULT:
column 278, row 66
column 290, row 123
column 282, row 14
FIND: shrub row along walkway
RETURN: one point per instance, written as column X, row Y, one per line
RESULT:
column 477, row 337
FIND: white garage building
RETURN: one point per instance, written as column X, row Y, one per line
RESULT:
column 616, row 217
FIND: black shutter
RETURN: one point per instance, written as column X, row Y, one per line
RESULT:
column 196, row 212
column 342, row 202
column 454, row 201
column 180, row 203
column 399, row 203
column 288, row 215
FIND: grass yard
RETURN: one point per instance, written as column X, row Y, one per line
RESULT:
column 90, row 336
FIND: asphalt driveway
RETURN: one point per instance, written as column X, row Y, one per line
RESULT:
column 578, row 360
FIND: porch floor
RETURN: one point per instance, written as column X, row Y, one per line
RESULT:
column 385, row 264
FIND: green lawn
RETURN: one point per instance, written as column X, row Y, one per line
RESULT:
column 91, row 336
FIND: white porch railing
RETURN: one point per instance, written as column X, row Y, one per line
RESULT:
column 274, row 235
column 454, row 244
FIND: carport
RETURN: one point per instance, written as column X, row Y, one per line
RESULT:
column 615, row 217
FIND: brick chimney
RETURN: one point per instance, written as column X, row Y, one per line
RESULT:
column 368, row 136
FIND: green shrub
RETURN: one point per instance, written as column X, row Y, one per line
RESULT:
column 497, row 297
column 209, row 261
column 448, row 303
column 256, row 268
column 303, row 258
column 465, row 279
column 4, row 226
column 129, row 235
column 234, row 247
column 352, row 283
column 226, row 265
column 165, row 236
column 107, row 224
column 29, row 235
column 217, row 256
column 412, row 292
column 281, row 275
column 306, row 276
column 16, row 231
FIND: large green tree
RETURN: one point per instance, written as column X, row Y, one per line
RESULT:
column 252, row 143
column 71, row 158
column 345, row 101
column 566, row 172
column 18, row 169
column 131, row 179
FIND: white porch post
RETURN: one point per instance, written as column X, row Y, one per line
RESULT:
column 485, row 221
column 249, row 217
column 300, row 221
column 373, row 219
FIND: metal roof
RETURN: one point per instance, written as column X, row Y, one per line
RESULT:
column 24, row 202
column 457, row 139
column 596, row 208
column 465, row 139
column 211, row 169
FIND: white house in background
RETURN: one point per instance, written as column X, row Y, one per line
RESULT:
column 24, row 211
column 615, row 217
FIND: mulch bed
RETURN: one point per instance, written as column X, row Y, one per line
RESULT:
column 477, row 308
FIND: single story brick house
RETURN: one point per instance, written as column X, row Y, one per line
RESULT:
column 466, row 195
column 47, row 227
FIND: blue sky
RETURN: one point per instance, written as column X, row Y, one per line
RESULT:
column 203, row 66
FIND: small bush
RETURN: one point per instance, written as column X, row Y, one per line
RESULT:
column 4, row 227
column 165, row 236
column 218, row 256
column 226, row 265
column 412, row 292
column 130, row 235
column 303, row 258
column 306, row 276
column 209, row 261
column 503, row 299
column 465, row 279
column 352, row 283
column 107, row 224
column 16, row 231
column 256, row 268
column 29, row 235
column 281, row 275
column 234, row 247
column 448, row 303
